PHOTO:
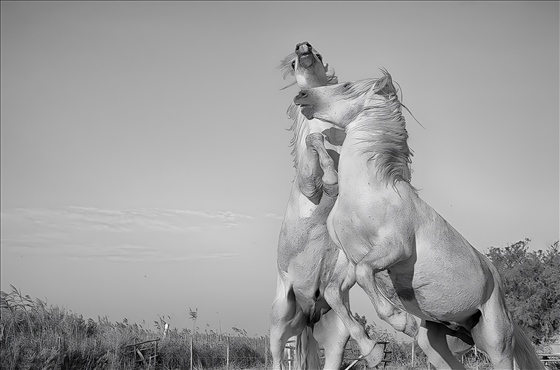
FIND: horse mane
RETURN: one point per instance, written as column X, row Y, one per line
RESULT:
column 299, row 126
column 300, row 129
column 382, row 125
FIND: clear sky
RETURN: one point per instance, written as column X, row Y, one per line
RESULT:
column 145, row 159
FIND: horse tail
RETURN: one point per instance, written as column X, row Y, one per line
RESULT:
column 523, row 351
column 306, row 356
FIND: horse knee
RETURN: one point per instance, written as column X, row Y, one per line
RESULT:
column 326, row 162
column 332, row 294
column 411, row 327
column 364, row 273
column 313, row 138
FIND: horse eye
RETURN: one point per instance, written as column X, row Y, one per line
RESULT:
column 293, row 64
column 320, row 57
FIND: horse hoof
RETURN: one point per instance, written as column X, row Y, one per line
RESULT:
column 375, row 356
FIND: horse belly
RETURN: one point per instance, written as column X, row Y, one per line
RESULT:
column 441, row 292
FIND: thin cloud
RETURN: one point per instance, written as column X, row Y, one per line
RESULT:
column 142, row 253
column 80, row 250
column 153, row 234
column 131, row 220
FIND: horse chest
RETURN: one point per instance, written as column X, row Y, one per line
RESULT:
column 350, row 232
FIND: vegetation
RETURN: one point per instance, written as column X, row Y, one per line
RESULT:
column 531, row 283
column 35, row 335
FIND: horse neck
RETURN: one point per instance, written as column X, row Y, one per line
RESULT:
column 378, row 136
column 303, row 127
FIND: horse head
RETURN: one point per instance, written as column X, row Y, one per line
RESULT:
column 341, row 104
column 307, row 66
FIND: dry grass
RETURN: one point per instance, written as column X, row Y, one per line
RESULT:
column 34, row 335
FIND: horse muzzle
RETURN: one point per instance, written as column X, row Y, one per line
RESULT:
column 304, row 52
column 306, row 109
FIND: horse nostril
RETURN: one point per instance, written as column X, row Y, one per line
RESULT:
column 303, row 43
column 302, row 94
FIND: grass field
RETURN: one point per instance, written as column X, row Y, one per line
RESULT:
column 34, row 335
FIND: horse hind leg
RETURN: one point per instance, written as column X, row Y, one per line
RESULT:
column 432, row 339
column 501, row 339
column 285, row 322
column 332, row 335
column 494, row 332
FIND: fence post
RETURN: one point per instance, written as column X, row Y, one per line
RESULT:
column 191, row 352
column 476, row 357
column 412, row 354
column 265, row 354
column 227, row 353
column 289, row 358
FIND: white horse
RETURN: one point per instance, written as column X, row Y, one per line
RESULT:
column 382, row 224
column 309, row 263
column 306, row 254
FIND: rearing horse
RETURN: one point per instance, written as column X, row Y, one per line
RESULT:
column 306, row 253
column 381, row 223
column 309, row 264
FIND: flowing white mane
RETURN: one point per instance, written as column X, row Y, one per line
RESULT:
column 382, row 126
column 300, row 128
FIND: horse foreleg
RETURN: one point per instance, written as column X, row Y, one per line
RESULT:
column 309, row 175
column 387, row 308
column 316, row 142
column 343, row 278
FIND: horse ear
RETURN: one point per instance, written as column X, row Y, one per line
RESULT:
column 385, row 84
column 380, row 84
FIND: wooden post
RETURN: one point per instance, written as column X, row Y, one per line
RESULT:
column 289, row 358
column 191, row 352
column 412, row 354
column 227, row 353
column 476, row 357
column 265, row 354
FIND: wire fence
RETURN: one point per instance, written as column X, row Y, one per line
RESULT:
column 181, row 350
